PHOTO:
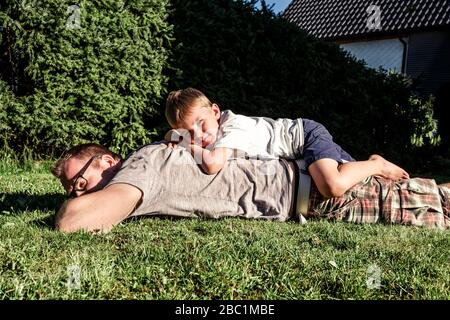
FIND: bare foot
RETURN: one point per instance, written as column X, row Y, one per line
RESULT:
column 390, row 170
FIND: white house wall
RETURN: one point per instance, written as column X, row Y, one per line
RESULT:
column 387, row 53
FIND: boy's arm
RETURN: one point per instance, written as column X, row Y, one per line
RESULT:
column 100, row 210
column 211, row 161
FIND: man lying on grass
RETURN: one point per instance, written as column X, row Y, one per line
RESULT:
column 160, row 180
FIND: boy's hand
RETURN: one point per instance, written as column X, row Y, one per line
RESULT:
column 177, row 137
column 173, row 136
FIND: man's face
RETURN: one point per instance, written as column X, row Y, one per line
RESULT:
column 202, row 124
column 84, row 175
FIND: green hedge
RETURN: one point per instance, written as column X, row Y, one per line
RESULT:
column 256, row 63
column 91, row 72
column 6, row 99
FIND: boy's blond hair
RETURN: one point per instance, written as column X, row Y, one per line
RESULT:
column 180, row 102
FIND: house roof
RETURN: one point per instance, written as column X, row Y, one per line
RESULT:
column 340, row 19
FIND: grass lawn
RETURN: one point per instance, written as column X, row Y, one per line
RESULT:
column 157, row 258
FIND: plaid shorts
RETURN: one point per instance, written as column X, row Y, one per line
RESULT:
column 417, row 202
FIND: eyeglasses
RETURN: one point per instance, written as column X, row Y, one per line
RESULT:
column 79, row 182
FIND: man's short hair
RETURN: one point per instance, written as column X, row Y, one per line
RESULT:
column 81, row 151
column 180, row 102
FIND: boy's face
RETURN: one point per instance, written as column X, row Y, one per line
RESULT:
column 202, row 124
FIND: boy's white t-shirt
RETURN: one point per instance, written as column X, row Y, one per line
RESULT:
column 261, row 137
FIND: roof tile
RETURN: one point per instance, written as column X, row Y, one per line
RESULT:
column 340, row 18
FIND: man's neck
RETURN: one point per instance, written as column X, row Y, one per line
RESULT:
column 110, row 173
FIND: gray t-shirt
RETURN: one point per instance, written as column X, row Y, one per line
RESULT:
column 173, row 184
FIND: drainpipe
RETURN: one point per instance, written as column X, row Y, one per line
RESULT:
column 405, row 54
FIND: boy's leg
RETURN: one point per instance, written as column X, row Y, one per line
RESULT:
column 333, row 179
column 325, row 158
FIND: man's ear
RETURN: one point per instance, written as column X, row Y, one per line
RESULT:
column 109, row 160
column 215, row 108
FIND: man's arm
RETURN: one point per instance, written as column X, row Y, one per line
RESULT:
column 100, row 210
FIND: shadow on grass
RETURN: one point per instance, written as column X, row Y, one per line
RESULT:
column 16, row 202
column 47, row 223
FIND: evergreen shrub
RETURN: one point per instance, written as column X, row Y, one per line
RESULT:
column 90, row 71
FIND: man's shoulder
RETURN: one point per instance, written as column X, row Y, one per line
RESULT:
column 148, row 148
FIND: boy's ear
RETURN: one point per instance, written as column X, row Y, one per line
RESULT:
column 215, row 108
